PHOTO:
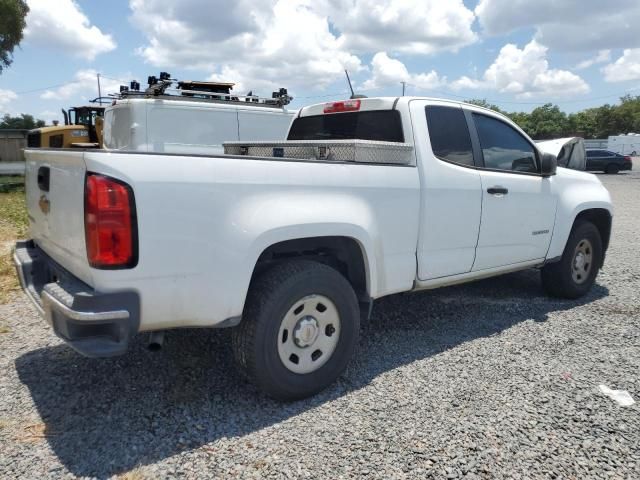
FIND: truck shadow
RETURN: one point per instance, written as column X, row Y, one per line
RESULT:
column 109, row 416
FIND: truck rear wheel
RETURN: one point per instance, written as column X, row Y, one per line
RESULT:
column 299, row 329
column 574, row 275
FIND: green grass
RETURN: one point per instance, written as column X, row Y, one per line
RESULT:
column 13, row 225
column 11, row 179
column 11, row 183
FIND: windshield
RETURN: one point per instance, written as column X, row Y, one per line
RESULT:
column 380, row 125
column 84, row 116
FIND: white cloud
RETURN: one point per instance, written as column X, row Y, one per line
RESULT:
column 293, row 43
column 407, row 26
column 84, row 87
column 61, row 25
column 467, row 83
column 49, row 116
column 261, row 46
column 387, row 72
column 566, row 24
column 525, row 73
column 626, row 68
column 603, row 56
column 6, row 98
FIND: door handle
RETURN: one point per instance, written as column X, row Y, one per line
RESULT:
column 44, row 175
column 497, row 191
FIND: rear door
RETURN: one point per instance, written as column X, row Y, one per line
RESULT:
column 596, row 159
column 518, row 205
column 451, row 190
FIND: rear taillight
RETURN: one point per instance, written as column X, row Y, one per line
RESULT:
column 110, row 223
column 344, row 106
column 627, row 158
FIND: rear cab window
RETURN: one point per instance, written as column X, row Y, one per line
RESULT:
column 117, row 128
column 377, row 125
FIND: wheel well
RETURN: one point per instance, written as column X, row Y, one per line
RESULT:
column 601, row 218
column 342, row 253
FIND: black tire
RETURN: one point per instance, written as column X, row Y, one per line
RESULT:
column 557, row 278
column 270, row 297
column 612, row 168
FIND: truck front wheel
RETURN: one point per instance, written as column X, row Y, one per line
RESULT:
column 574, row 275
column 299, row 329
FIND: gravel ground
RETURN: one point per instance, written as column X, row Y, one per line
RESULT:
column 486, row 380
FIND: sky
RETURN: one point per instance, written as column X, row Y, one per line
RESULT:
column 517, row 54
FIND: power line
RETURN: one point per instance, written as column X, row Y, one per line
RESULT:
column 404, row 85
column 324, row 96
column 59, row 85
column 114, row 79
column 441, row 92
column 47, row 88
column 336, row 94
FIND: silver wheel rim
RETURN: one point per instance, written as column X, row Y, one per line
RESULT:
column 309, row 334
column 582, row 261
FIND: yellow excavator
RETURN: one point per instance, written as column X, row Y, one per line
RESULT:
column 82, row 129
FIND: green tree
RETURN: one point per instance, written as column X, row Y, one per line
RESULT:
column 523, row 120
column 605, row 121
column 24, row 121
column 12, row 22
column 584, row 123
column 481, row 102
column 548, row 121
column 626, row 116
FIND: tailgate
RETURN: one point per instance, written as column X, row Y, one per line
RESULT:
column 55, row 200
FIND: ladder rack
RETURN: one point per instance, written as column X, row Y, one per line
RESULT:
column 163, row 90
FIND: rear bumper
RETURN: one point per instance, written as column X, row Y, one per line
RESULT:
column 93, row 323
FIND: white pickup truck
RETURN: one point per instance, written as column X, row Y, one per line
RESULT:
column 366, row 198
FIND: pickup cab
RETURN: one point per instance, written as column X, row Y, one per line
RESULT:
column 289, row 243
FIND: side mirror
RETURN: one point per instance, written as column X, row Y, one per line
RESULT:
column 548, row 164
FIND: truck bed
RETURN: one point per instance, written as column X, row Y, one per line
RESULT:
column 203, row 221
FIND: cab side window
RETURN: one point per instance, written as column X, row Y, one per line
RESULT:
column 503, row 148
column 449, row 135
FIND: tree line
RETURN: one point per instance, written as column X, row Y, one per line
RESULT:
column 23, row 122
column 548, row 121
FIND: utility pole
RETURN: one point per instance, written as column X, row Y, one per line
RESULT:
column 99, row 91
column 404, row 84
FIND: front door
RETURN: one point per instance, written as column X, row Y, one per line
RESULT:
column 518, row 206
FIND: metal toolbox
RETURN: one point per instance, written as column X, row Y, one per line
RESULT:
column 361, row 151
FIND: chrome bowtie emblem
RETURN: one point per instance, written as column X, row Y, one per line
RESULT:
column 45, row 204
